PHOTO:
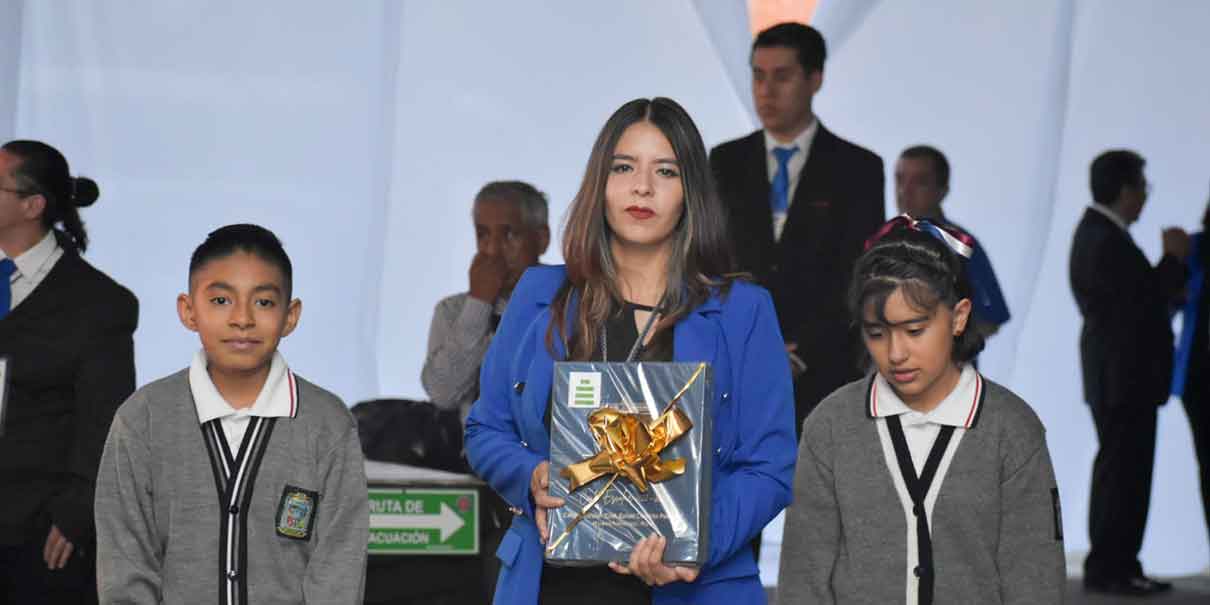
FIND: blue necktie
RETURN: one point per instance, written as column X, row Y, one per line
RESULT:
column 779, row 192
column 7, row 268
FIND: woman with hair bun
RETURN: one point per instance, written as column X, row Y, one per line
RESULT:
column 66, row 364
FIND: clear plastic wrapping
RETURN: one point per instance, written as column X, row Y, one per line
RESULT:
column 630, row 447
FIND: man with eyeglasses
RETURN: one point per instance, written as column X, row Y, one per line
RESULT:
column 1127, row 358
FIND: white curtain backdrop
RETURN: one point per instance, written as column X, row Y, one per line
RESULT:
column 193, row 116
column 730, row 34
column 360, row 132
column 10, row 63
column 839, row 19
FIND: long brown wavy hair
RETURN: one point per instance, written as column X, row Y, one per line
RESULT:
column 701, row 260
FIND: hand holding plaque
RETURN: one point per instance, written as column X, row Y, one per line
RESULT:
column 647, row 562
column 539, row 488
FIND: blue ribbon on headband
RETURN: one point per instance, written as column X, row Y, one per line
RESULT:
column 961, row 243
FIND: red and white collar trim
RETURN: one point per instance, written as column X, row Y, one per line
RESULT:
column 959, row 409
column 278, row 398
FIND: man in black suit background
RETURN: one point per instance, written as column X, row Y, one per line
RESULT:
column 801, row 203
column 1126, row 354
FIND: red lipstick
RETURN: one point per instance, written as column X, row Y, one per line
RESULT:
column 640, row 213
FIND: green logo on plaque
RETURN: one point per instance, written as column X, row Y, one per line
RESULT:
column 584, row 393
column 585, row 389
column 424, row 521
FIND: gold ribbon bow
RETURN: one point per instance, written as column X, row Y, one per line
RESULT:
column 630, row 446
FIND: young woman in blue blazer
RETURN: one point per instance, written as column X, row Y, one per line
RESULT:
column 645, row 235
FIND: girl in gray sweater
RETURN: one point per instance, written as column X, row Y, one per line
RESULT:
column 924, row 482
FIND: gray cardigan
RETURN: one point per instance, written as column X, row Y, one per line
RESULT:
column 299, row 528
column 995, row 527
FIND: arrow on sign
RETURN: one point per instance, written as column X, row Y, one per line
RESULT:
column 447, row 521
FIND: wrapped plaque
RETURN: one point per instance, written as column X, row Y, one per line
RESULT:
column 629, row 455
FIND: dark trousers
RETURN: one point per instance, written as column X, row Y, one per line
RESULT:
column 1197, row 408
column 1121, row 489
column 24, row 577
column 590, row 586
column 813, row 386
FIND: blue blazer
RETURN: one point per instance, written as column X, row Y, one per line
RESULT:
column 1195, row 292
column 753, row 407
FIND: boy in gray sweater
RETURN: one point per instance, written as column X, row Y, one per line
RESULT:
column 233, row 481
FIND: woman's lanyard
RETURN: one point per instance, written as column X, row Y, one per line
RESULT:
column 638, row 342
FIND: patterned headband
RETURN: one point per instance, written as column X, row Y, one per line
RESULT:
column 961, row 243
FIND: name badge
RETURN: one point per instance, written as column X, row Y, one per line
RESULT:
column 3, row 391
column 296, row 513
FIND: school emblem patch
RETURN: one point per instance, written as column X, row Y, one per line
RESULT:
column 296, row 512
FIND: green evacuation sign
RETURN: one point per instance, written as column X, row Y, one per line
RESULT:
column 424, row 521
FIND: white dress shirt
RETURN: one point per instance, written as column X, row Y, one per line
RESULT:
column 277, row 398
column 794, row 167
column 1111, row 215
column 33, row 265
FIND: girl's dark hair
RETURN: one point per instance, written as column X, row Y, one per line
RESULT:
column 701, row 258
column 928, row 273
column 252, row 239
column 43, row 171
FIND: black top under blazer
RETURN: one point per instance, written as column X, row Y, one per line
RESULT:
column 1126, row 342
column 71, row 364
column 838, row 203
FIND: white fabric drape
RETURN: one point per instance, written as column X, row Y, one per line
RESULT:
column 837, row 21
column 10, row 63
column 727, row 25
column 361, row 131
column 193, row 116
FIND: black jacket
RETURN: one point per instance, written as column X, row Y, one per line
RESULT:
column 71, row 364
column 1126, row 342
column 837, row 204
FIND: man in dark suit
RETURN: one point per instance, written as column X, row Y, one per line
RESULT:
column 1126, row 354
column 801, row 203
column 67, row 351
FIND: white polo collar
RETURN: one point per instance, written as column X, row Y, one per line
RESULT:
column 959, row 409
column 278, row 398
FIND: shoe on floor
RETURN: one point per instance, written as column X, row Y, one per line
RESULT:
column 1139, row 585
